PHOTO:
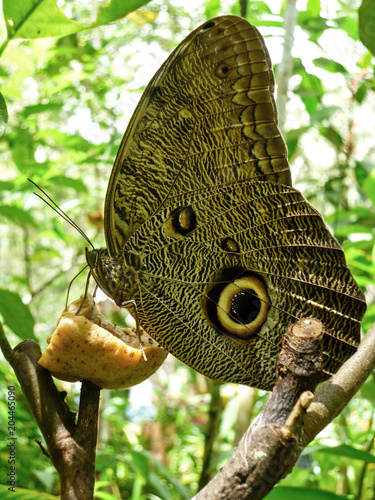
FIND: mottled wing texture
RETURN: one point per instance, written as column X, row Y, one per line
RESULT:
column 207, row 118
column 280, row 238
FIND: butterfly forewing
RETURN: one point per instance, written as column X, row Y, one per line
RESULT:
column 206, row 118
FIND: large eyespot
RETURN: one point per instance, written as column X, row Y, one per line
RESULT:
column 242, row 306
column 181, row 222
column 236, row 303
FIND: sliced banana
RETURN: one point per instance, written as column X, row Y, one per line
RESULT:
column 88, row 346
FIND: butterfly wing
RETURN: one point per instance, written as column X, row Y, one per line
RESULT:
column 207, row 118
column 223, row 252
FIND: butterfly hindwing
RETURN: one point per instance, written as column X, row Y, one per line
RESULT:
column 260, row 231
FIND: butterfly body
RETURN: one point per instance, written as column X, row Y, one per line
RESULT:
column 204, row 231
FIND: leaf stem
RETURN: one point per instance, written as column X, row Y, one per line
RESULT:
column 4, row 45
column 5, row 347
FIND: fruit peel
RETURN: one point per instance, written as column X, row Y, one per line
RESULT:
column 88, row 346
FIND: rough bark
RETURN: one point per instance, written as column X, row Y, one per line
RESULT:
column 71, row 445
column 291, row 418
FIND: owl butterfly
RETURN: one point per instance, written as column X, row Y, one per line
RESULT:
column 203, row 229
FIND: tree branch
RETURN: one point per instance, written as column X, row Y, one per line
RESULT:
column 284, row 71
column 291, row 418
column 71, row 446
column 334, row 394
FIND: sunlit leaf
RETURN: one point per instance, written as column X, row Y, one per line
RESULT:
column 349, row 25
column 42, row 18
column 40, row 108
column 212, row 8
column 313, row 8
column 344, row 450
column 3, row 114
column 17, row 215
column 366, row 22
column 329, row 65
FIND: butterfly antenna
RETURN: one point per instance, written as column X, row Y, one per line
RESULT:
column 70, row 285
column 51, row 203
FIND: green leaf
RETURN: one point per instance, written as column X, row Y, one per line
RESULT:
column 368, row 390
column 181, row 489
column 361, row 92
column 329, row 65
column 366, row 24
column 292, row 138
column 344, row 450
column 212, row 8
column 40, row 108
column 349, row 25
column 23, row 494
column 332, row 136
column 52, row 137
column 369, row 186
column 17, row 214
column 76, row 184
column 16, row 315
column 42, row 18
column 313, row 8
column 310, row 90
column 290, row 493
column 3, row 114
column 22, row 145
column 323, row 113
column 6, row 185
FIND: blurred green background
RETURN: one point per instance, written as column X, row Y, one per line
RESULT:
column 69, row 99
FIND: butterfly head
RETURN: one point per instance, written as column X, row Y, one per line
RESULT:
column 111, row 275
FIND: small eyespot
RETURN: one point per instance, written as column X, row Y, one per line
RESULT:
column 208, row 25
column 222, row 70
column 181, row 222
column 229, row 245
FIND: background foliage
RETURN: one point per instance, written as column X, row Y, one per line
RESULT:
column 69, row 99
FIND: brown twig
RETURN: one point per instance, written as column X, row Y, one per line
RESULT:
column 332, row 396
column 71, row 446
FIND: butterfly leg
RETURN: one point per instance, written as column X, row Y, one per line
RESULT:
column 136, row 317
